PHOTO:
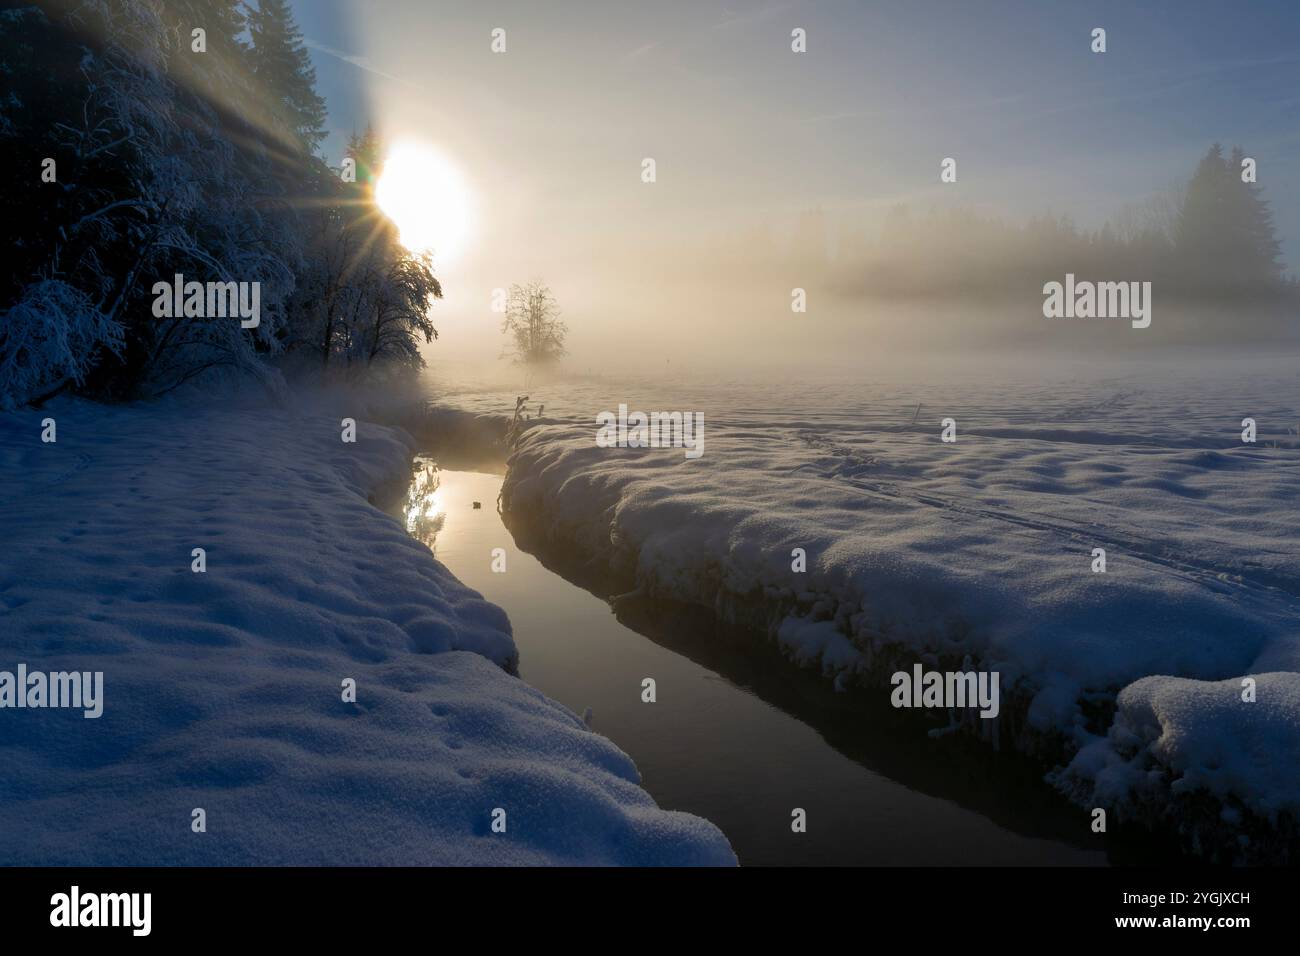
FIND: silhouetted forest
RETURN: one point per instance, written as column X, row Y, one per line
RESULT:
column 1210, row 242
column 156, row 138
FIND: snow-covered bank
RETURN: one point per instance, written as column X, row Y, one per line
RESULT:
column 923, row 550
column 223, row 689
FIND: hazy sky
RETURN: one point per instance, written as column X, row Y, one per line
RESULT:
column 746, row 134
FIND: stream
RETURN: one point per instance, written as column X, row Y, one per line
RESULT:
column 739, row 736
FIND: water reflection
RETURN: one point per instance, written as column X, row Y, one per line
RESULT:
column 424, row 510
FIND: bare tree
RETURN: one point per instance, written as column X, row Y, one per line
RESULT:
column 532, row 322
column 1157, row 215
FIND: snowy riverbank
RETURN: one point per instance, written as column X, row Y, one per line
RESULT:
column 223, row 690
column 923, row 550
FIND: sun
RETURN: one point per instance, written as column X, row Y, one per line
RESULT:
column 423, row 193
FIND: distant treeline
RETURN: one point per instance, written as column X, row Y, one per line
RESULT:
column 1209, row 242
column 146, row 139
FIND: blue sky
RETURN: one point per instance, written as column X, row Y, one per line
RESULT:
column 1036, row 120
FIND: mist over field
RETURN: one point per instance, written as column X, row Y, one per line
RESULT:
column 822, row 171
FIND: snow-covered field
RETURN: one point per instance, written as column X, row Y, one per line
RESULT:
column 984, row 547
column 222, row 690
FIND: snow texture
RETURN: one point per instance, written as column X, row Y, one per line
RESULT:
column 984, row 547
column 1200, row 735
column 222, row 690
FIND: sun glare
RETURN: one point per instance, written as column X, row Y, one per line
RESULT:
column 423, row 193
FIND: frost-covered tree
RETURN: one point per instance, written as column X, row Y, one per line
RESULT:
column 212, row 223
column 283, row 70
column 395, row 317
column 535, row 334
column 48, row 338
column 363, row 302
column 221, row 74
column 87, row 94
column 150, row 182
column 164, row 160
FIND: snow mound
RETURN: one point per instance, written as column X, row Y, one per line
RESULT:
column 981, row 548
column 223, row 689
column 1189, row 736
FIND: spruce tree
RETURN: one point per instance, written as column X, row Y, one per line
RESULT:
column 220, row 74
column 365, row 150
column 1255, row 230
column 284, row 72
column 1226, row 243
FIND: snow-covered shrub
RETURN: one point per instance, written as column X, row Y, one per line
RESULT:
column 51, row 336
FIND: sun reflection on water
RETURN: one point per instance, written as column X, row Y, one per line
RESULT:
column 424, row 510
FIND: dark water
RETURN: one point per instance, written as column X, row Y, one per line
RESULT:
column 742, row 738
